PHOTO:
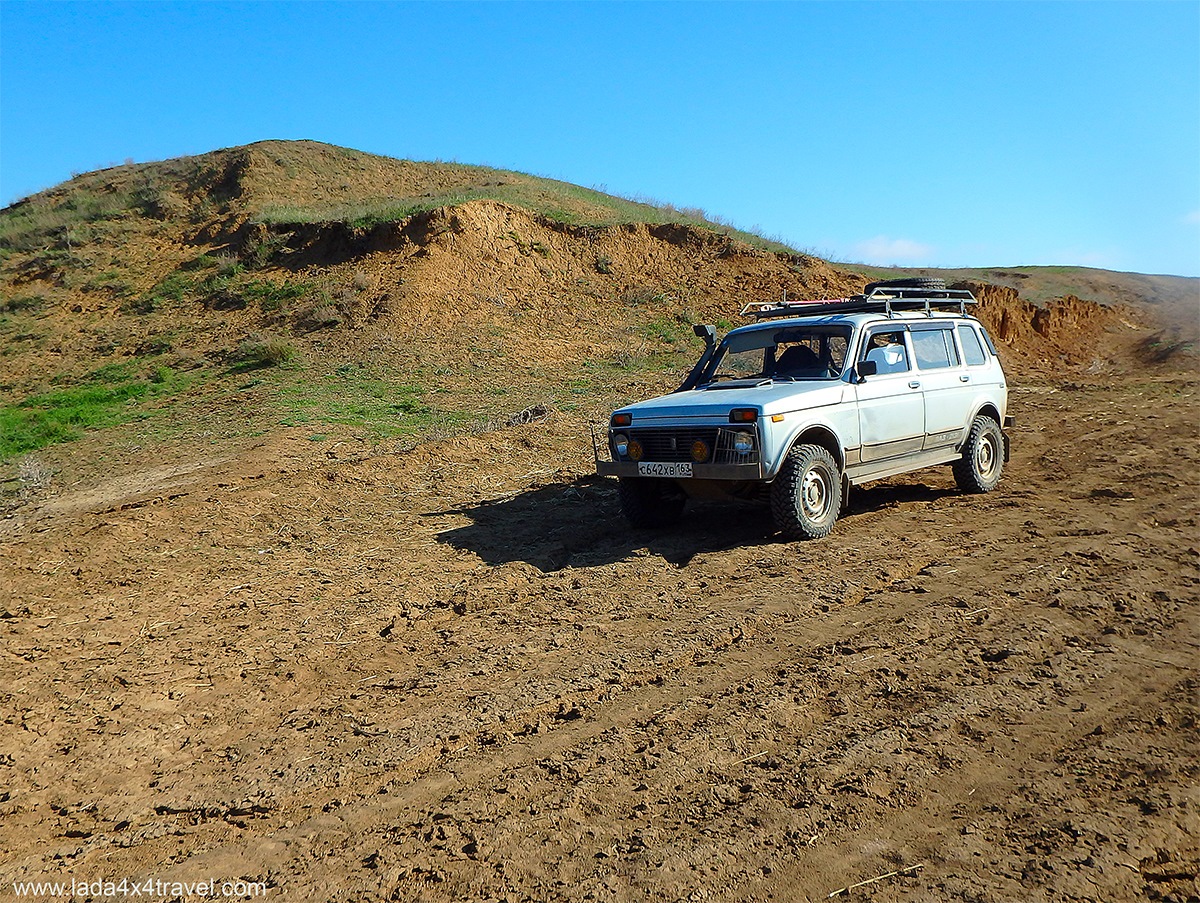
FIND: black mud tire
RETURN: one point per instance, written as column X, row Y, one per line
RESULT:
column 806, row 497
column 982, row 462
column 933, row 283
column 648, row 503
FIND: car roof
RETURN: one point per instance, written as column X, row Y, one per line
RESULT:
column 853, row 319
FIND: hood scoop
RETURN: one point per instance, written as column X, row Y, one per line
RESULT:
column 740, row 383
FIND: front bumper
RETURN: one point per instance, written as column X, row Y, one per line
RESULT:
column 728, row 466
column 699, row 471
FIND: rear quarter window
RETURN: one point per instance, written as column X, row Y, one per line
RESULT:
column 971, row 346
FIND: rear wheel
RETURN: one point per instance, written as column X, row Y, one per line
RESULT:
column 806, row 497
column 982, row 460
column 647, row 502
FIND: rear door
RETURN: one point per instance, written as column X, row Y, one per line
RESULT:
column 891, row 410
column 945, row 383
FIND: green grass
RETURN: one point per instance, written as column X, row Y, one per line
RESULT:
column 38, row 223
column 272, row 296
column 352, row 396
column 219, row 287
column 28, row 303
column 104, row 398
column 667, row 330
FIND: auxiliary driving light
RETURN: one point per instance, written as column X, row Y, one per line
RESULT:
column 699, row 451
column 635, row 450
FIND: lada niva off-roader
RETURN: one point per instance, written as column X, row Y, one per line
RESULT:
column 814, row 397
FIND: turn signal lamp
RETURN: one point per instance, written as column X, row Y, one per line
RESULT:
column 622, row 419
column 743, row 415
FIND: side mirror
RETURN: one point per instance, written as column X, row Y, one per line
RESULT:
column 866, row 368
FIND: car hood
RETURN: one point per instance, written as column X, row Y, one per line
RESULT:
column 715, row 401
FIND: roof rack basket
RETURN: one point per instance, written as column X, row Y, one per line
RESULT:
column 886, row 300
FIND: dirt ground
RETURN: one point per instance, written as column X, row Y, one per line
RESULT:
column 453, row 674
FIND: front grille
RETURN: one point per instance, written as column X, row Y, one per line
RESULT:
column 668, row 445
column 672, row 444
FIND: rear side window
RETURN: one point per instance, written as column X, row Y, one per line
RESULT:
column 971, row 346
column 934, row 349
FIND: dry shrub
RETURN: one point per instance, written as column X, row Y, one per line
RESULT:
column 321, row 314
column 33, row 478
column 257, row 350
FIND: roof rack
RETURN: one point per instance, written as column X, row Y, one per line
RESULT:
column 887, row 300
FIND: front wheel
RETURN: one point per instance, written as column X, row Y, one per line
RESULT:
column 806, row 496
column 982, row 459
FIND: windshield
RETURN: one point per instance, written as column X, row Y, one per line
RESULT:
column 788, row 354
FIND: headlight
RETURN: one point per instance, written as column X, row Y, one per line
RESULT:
column 621, row 445
column 743, row 443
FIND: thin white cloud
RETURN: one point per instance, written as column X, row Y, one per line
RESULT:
column 884, row 251
column 1193, row 218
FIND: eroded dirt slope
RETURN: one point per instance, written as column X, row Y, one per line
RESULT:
column 452, row 674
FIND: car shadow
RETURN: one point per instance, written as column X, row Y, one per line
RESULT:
column 866, row 499
column 579, row 524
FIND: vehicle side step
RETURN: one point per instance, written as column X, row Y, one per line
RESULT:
column 889, row 467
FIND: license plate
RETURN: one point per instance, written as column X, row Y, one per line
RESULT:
column 674, row 470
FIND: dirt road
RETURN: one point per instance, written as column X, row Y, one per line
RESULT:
column 453, row 674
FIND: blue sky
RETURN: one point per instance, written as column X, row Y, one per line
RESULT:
column 923, row 134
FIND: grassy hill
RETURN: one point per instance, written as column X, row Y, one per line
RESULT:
column 300, row 286
column 305, row 182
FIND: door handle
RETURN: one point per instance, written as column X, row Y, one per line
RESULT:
column 964, row 378
column 914, row 385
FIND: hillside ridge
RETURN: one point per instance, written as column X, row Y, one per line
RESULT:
column 167, row 282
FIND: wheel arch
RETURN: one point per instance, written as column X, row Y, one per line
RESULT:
column 987, row 409
column 818, row 434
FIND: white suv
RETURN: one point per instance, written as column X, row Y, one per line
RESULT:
column 815, row 397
